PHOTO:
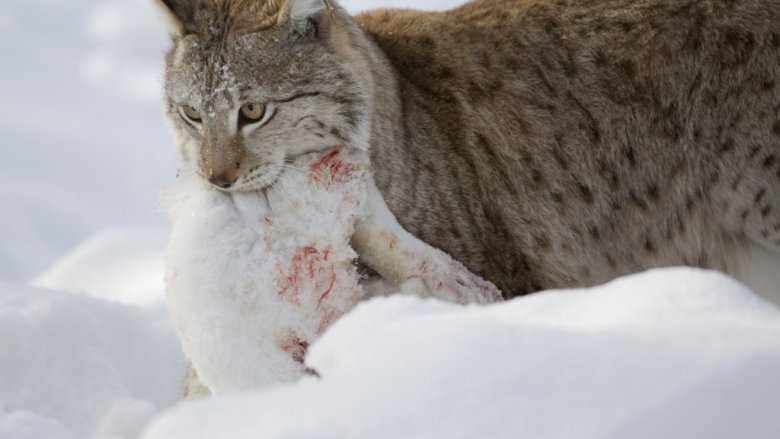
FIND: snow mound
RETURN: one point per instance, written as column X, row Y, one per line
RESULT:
column 73, row 366
column 668, row 353
column 25, row 425
column 125, row 265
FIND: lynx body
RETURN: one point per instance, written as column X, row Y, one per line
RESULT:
column 543, row 144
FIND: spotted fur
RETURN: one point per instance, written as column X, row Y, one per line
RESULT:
column 543, row 143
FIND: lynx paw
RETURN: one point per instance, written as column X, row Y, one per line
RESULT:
column 452, row 281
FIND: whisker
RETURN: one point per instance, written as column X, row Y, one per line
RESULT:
column 189, row 173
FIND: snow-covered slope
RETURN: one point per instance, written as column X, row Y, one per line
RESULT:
column 124, row 265
column 73, row 365
column 672, row 353
column 669, row 353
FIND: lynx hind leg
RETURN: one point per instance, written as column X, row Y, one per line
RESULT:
column 758, row 268
column 411, row 265
column 748, row 196
column 193, row 388
column 747, row 199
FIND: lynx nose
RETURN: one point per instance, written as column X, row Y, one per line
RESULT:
column 222, row 181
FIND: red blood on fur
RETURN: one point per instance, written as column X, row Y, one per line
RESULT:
column 390, row 238
column 325, row 295
column 291, row 287
column 329, row 316
column 295, row 346
column 307, row 265
column 311, row 261
column 329, row 169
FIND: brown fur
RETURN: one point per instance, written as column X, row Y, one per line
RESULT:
column 557, row 144
column 241, row 16
column 543, row 143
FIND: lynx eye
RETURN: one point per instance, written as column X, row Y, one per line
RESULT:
column 191, row 113
column 251, row 113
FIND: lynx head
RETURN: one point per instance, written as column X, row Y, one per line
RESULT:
column 252, row 84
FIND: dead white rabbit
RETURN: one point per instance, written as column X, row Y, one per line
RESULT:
column 253, row 278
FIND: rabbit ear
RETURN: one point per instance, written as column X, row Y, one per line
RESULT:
column 179, row 15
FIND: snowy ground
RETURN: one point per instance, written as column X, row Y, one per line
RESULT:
column 671, row 353
column 74, row 366
column 667, row 354
column 87, row 350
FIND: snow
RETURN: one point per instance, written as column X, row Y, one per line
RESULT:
column 26, row 425
column 81, row 152
column 74, row 365
column 672, row 353
column 123, row 265
column 90, row 351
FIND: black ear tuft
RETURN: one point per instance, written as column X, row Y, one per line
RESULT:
column 179, row 15
column 310, row 27
column 308, row 18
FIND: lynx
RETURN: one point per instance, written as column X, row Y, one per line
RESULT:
column 542, row 143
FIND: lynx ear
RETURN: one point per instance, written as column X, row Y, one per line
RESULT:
column 178, row 15
column 308, row 17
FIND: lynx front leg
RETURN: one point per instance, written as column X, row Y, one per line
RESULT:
column 414, row 266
